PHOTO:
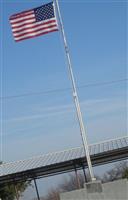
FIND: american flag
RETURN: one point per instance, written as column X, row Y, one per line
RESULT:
column 34, row 22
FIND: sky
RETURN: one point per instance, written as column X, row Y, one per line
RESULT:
column 37, row 109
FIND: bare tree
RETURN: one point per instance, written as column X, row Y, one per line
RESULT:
column 71, row 183
column 53, row 194
column 68, row 184
column 118, row 172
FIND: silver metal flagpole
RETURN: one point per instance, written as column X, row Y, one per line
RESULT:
column 75, row 96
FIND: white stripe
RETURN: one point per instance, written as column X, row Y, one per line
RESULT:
column 30, row 26
column 23, row 23
column 22, row 18
column 16, row 28
column 36, row 33
column 21, row 13
column 34, row 29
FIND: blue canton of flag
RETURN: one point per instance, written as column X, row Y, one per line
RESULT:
column 34, row 22
column 44, row 12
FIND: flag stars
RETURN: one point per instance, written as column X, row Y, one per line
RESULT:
column 44, row 12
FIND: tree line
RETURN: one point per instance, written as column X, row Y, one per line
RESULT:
column 119, row 171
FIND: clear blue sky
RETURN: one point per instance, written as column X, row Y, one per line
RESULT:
column 37, row 124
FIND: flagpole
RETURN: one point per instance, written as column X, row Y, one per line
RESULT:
column 75, row 96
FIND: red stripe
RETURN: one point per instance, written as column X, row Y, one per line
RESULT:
column 23, row 34
column 36, row 35
column 21, row 15
column 26, row 24
column 23, row 25
column 34, row 26
column 24, row 13
column 23, row 20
